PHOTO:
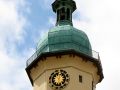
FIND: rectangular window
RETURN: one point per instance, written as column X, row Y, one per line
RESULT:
column 80, row 78
column 92, row 85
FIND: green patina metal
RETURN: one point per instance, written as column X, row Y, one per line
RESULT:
column 66, row 3
column 65, row 37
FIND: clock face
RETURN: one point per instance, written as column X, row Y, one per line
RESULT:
column 59, row 79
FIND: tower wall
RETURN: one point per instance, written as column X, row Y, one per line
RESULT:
column 73, row 65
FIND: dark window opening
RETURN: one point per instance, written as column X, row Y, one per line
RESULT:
column 58, row 12
column 68, row 14
column 92, row 85
column 62, row 14
column 80, row 78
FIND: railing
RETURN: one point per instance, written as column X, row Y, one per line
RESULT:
column 31, row 59
column 35, row 55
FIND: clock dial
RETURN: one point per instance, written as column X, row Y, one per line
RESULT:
column 59, row 79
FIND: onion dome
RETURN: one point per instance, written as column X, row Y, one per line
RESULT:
column 64, row 36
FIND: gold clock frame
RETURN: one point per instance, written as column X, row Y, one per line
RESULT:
column 59, row 79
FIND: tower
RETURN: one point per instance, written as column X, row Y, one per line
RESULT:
column 64, row 59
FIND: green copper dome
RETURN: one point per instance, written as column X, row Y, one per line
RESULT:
column 65, row 37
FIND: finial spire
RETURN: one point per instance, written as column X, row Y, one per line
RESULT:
column 64, row 10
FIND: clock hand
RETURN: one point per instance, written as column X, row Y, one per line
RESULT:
column 58, row 78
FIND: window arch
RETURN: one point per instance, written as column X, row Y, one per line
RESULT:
column 62, row 14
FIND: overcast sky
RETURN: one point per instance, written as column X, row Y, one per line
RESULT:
column 24, row 22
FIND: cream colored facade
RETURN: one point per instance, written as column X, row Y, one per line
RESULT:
column 74, row 65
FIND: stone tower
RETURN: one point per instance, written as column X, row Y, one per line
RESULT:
column 64, row 59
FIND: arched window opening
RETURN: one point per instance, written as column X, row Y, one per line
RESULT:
column 62, row 14
column 68, row 14
column 80, row 79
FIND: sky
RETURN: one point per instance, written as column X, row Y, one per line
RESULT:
column 24, row 22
